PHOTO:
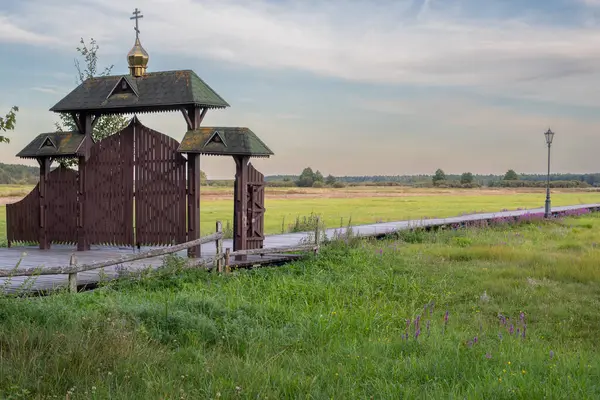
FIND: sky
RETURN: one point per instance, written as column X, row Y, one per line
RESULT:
column 361, row 87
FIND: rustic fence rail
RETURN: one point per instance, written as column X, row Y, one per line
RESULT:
column 221, row 260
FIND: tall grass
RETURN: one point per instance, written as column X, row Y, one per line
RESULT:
column 333, row 326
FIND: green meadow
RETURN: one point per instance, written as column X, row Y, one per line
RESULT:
column 281, row 214
column 522, row 304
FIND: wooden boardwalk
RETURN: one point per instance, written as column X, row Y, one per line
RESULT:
column 59, row 255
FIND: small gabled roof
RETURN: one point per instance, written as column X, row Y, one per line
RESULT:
column 130, row 82
column 224, row 141
column 152, row 92
column 55, row 145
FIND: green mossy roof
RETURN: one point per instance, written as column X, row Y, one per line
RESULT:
column 155, row 91
column 58, row 144
column 224, row 141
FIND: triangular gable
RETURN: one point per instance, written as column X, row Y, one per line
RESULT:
column 48, row 142
column 217, row 137
column 124, row 86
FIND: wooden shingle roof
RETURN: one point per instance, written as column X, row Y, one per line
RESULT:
column 55, row 145
column 155, row 91
column 224, row 141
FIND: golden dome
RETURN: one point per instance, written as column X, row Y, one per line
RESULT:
column 137, row 59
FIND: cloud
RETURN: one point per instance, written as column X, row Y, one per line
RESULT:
column 409, row 44
column 403, row 42
column 54, row 90
column 12, row 33
column 591, row 3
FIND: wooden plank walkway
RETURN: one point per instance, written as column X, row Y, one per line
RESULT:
column 59, row 255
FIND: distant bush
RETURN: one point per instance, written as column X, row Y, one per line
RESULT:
column 318, row 184
column 338, row 185
column 376, row 184
column 280, row 184
column 538, row 184
column 220, row 182
column 456, row 185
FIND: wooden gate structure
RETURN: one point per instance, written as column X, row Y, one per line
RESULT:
column 137, row 186
column 48, row 213
column 256, row 209
column 248, row 194
column 135, row 189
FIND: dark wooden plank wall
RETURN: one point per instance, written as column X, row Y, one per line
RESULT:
column 160, row 195
column 109, row 190
column 256, row 208
column 61, row 206
column 23, row 219
column 160, row 191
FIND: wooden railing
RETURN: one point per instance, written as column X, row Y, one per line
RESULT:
column 221, row 259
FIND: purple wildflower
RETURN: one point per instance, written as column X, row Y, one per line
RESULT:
column 500, row 335
column 418, row 321
column 551, row 354
column 407, row 323
column 488, row 355
column 511, row 329
column 431, row 307
column 445, row 323
column 522, row 316
column 417, row 333
column 475, row 340
column 524, row 328
column 518, row 332
column 470, row 343
column 428, row 323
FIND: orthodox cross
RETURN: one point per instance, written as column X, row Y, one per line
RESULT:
column 136, row 16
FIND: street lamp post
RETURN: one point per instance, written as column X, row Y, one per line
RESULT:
column 549, row 136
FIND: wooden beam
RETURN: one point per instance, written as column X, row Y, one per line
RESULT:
column 202, row 115
column 275, row 250
column 187, row 118
column 78, row 124
column 43, row 239
column 240, row 206
column 85, row 121
column 74, row 268
column 193, row 227
column 193, row 199
column 95, row 120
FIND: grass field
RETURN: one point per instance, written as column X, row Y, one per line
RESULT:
column 331, row 327
column 366, row 205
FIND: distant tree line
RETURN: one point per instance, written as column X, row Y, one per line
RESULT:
column 439, row 178
column 22, row 174
column 18, row 174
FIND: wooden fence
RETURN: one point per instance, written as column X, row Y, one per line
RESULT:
column 221, row 259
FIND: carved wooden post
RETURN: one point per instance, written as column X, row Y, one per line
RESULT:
column 44, row 163
column 227, row 267
column 73, row 275
column 84, row 124
column 194, row 117
column 193, row 228
column 240, row 207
